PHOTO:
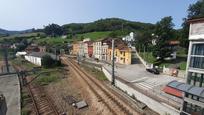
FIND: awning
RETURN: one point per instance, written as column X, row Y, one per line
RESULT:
column 172, row 91
column 190, row 89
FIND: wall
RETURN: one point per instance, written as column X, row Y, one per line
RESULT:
column 143, row 61
column 161, row 108
column 34, row 60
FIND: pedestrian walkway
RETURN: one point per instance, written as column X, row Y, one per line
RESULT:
column 10, row 87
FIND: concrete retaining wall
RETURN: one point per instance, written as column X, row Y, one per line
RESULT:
column 143, row 61
column 161, row 108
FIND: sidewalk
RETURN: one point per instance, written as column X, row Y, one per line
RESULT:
column 10, row 87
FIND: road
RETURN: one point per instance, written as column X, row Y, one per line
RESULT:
column 137, row 75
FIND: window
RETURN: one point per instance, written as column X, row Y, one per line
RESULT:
column 196, row 79
column 197, row 62
column 197, row 49
column 197, row 56
column 193, row 109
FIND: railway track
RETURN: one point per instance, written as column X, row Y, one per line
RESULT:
column 114, row 104
column 41, row 102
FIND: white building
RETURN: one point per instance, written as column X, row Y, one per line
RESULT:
column 81, row 49
column 21, row 53
column 100, row 48
column 88, row 49
column 36, row 57
column 86, row 39
column 97, row 49
column 194, row 93
column 129, row 38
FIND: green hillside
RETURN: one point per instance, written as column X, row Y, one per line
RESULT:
column 108, row 24
column 94, row 35
column 52, row 41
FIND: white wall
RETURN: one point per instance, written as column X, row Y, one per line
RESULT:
column 34, row 60
column 196, row 31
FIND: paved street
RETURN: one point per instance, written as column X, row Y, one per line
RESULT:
column 137, row 75
column 10, row 87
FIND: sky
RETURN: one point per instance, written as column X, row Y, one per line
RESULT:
column 26, row 14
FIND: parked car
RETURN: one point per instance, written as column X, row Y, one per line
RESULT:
column 153, row 70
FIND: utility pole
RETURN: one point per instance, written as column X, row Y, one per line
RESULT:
column 78, row 58
column 122, row 27
column 6, row 59
column 56, row 53
column 113, row 63
column 144, row 53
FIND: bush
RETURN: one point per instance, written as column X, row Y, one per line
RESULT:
column 47, row 61
column 25, row 112
column 45, row 80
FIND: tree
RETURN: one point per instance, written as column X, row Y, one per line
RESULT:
column 113, row 34
column 164, row 31
column 47, row 61
column 53, row 30
column 194, row 11
column 143, row 40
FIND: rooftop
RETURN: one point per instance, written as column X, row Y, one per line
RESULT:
column 194, row 90
column 41, row 54
column 196, row 20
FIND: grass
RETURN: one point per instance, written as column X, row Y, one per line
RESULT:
column 52, row 41
column 180, row 61
column 25, row 100
column 53, row 76
column 94, row 35
column 95, row 72
column 25, row 111
column 147, row 56
column 45, row 80
column 15, row 38
column 22, row 62
column 60, row 41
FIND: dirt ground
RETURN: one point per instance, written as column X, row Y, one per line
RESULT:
column 72, row 86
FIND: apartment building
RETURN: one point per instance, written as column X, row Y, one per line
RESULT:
column 123, row 54
column 100, row 48
column 75, row 48
column 81, row 51
column 88, row 49
column 194, row 90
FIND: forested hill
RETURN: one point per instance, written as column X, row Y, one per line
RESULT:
column 7, row 32
column 109, row 24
